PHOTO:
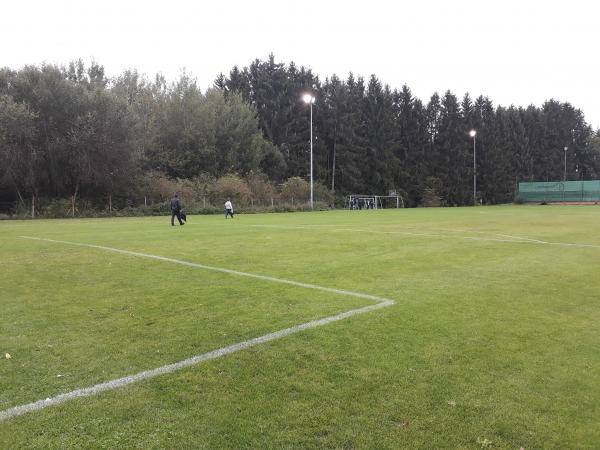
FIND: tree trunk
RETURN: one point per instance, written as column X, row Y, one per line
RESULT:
column 333, row 169
column 33, row 206
column 73, row 200
column 333, row 162
column 20, row 197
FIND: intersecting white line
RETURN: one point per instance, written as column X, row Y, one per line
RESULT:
column 113, row 384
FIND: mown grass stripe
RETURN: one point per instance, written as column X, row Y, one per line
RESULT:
column 218, row 269
column 511, row 239
column 170, row 368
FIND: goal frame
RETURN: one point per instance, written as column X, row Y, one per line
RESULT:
column 377, row 203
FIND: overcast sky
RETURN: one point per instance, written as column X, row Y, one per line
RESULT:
column 516, row 52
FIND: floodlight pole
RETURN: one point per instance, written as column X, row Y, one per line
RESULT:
column 565, row 173
column 311, row 155
column 310, row 99
column 474, row 170
column 473, row 134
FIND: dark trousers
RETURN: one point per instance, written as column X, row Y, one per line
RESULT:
column 229, row 212
column 176, row 213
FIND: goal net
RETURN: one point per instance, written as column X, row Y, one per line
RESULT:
column 361, row 201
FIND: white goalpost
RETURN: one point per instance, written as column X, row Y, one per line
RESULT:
column 362, row 201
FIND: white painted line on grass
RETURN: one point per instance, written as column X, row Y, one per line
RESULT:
column 490, row 233
column 170, row 368
column 535, row 241
column 408, row 233
column 512, row 239
column 217, row 269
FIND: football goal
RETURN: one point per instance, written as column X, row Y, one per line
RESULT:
column 361, row 201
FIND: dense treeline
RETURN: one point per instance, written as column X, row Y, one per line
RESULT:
column 371, row 139
column 72, row 133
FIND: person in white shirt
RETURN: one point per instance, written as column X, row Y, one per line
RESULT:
column 228, row 209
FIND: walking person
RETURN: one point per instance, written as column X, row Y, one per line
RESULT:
column 228, row 209
column 176, row 210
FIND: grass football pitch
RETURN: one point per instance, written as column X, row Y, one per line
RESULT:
column 458, row 328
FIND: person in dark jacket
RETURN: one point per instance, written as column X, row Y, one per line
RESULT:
column 176, row 210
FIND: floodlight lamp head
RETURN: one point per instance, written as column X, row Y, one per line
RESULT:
column 308, row 98
column 472, row 133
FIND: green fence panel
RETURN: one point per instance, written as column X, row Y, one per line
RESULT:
column 560, row 191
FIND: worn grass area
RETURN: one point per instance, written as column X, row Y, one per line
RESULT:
column 492, row 343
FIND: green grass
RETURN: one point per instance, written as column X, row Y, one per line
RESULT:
column 490, row 344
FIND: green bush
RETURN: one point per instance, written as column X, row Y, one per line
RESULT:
column 230, row 187
column 323, row 194
column 431, row 198
column 263, row 198
column 295, row 190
